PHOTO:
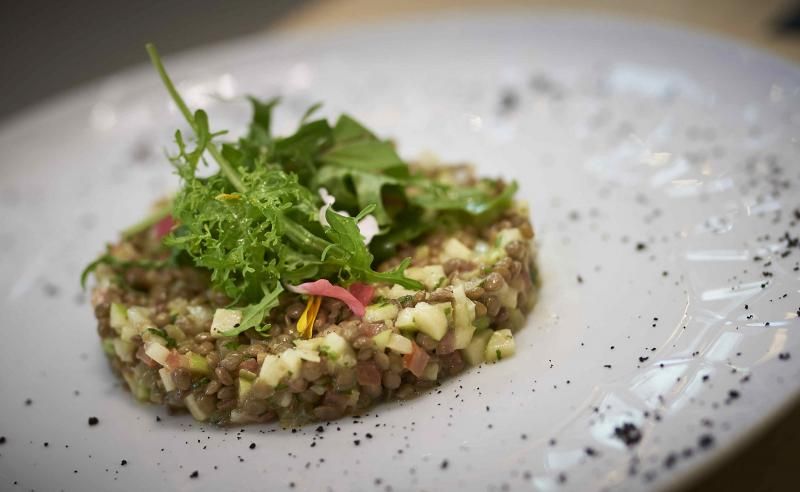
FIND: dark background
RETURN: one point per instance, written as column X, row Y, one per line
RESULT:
column 50, row 46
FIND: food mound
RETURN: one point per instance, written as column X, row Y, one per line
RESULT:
column 310, row 276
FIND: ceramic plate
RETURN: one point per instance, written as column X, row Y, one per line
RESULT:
column 662, row 171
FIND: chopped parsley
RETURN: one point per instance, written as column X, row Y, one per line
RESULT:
column 171, row 343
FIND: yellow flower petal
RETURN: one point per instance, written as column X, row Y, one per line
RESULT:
column 305, row 325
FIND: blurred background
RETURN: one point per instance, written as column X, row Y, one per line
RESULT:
column 50, row 47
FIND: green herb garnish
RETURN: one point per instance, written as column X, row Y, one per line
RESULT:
column 255, row 226
column 171, row 343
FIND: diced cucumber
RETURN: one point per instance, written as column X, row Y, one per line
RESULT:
column 175, row 333
column 474, row 353
column 166, row 379
column 309, row 355
column 139, row 318
column 431, row 371
column 482, row 323
column 431, row 319
column 292, row 361
column 224, row 320
column 272, row 370
column 516, row 320
column 453, row 248
column 108, row 346
column 308, row 349
column 194, row 408
column 128, row 332
column 311, row 345
column 500, row 346
column 375, row 312
column 151, row 336
column 381, row 340
column 405, row 319
column 245, row 386
column 197, row 364
column 507, row 296
column 431, row 276
column 338, row 350
column 245, row 374
column 463, row 317
column 124, row 349
column 400, row 344
column 157, row 352
column 397, row 291
column 506, row 236
column 139, row 390
column 199, row 315
column 118, row 317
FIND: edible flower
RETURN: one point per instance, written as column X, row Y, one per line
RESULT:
column 164, row 226
column 305, row 325
column 363, row 292
column 324, row 288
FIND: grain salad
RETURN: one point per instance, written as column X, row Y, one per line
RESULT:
column 310, row 276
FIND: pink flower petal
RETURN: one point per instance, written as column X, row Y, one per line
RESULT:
column 163, row 226
column 324, row 288
column 363, row 292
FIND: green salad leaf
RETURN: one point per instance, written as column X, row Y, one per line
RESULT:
column 255, row 223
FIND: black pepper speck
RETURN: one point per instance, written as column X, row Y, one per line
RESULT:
column 194, row 474
column 123, row 462
column 628, row 433
column 252, row 445
column 93, row 421
column 705, row 441
column 444, row 465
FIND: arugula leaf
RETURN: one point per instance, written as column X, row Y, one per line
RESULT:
column 254, row 224
column 254, row 314
column 355, row 259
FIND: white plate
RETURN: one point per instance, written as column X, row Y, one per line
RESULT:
column 620, row 134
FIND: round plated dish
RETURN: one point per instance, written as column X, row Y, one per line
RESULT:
column 661, row 170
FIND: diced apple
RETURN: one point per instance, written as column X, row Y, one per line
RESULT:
column 500, row 346
column 399, row 344
column 196, row 363
column 194, row 408
column 157, row 352
column 272, row 370
column 166, row 379
column 118, row 317
column 377, row 312
column 463, row 317
column 338, row 350
column 139, row 318
column 455, row 249
column 397, row 291
column 405, row 319
column 474, row 353
column 431, row 319
column 124, row 349
column 431, row 371
column 507, row 296
column 381, row 340
column 431, row 276
column 291, row 359
column 245, row 385
column 225, row 320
